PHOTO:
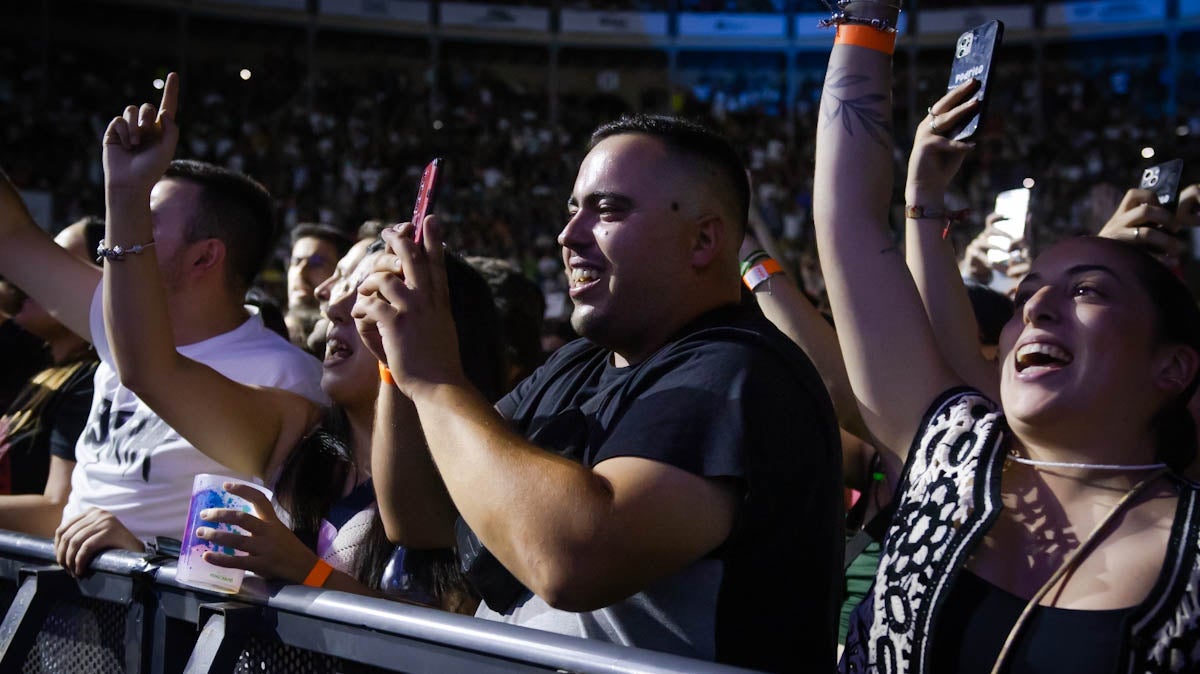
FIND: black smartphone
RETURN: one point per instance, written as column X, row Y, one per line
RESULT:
column 974, row 54
column 1163, row 180
column 426, row 194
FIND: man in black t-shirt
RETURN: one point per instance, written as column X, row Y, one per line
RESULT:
column 690, row 500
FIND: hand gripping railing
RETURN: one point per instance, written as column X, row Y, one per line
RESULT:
column 131, row 615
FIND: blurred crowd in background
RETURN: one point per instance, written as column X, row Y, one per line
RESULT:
column 351, row 148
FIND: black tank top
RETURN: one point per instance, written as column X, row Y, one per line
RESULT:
column 976, row 619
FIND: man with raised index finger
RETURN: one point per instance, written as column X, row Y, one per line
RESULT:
column 670, row 481
column 208, row 230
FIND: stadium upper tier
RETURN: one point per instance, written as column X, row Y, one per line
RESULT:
column 761, row 24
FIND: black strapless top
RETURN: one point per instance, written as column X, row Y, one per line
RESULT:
column 976, row 620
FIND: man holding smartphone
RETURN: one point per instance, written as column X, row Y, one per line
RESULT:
column 672, row 480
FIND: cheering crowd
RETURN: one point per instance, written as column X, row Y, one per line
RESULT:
column 677, row 477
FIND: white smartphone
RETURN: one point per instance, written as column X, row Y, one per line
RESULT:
column 1013, row 206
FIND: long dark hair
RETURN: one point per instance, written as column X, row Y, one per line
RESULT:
column 311, row 481
column 1177, row 320
column 312, row 478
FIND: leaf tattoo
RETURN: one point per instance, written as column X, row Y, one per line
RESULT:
column 861, row 108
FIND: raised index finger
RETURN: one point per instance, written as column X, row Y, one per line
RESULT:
column 170, row 97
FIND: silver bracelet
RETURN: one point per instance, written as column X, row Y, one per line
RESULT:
column 119, row 252
column 839, row 15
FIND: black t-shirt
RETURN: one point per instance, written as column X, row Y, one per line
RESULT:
column 727, row 397
column 29, row 437
column 22, row 355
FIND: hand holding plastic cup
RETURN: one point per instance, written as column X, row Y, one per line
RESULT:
column 208, row 491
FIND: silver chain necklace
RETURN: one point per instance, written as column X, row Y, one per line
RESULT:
column 1089, row 466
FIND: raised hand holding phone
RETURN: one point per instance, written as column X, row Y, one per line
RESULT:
column 1148, row 215
column 406, row 299
column 1163, row 181
column 1140, row 220
column 936, row 158
column 974, row 55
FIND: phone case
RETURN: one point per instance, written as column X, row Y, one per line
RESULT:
column 974, row 54
column 1163, row 180
column 425, row 197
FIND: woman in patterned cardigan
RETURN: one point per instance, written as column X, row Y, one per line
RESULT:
column 1046, row 532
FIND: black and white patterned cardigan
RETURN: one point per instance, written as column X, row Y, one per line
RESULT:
column 947, row 499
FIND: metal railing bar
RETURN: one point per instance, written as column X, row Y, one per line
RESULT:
column 497, row 642
column 381, row 649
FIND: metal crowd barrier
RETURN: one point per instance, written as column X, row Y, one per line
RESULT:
column 130, row 615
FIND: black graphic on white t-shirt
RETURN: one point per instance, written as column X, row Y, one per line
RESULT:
column 127, row 439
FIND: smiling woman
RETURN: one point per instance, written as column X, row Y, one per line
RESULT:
column 1044, row 533
column 1102, row 326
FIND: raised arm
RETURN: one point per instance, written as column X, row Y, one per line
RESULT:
column 248, row 429
column 413, row 503
column 61, row 282
column 890, row 353
column 935, row 160
column 785, row 305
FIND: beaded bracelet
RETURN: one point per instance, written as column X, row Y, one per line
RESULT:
column 119, row 252
column 841, row 15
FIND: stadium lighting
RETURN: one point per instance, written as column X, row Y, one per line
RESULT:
column 245, row 74
column 1028, row 183
column 1182, row 130
column 158, row 83
column 1147, row 153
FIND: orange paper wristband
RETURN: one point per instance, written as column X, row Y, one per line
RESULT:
column 385, row 375
column 866, row 36
column 319, row 574
column 760, row 272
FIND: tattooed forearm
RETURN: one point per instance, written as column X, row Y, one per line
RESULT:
column 861, row 107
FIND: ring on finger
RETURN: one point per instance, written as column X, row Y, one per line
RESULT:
column 1137, row 234
column 933, row 126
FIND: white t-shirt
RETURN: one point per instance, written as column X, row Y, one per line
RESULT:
column 132, row 464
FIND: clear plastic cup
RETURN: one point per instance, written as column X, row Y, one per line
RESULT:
column 208, row 491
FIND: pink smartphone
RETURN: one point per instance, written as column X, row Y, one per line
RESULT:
column 425, row 197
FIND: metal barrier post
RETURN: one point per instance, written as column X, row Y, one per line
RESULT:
column 40, row 588
column 225, row 631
